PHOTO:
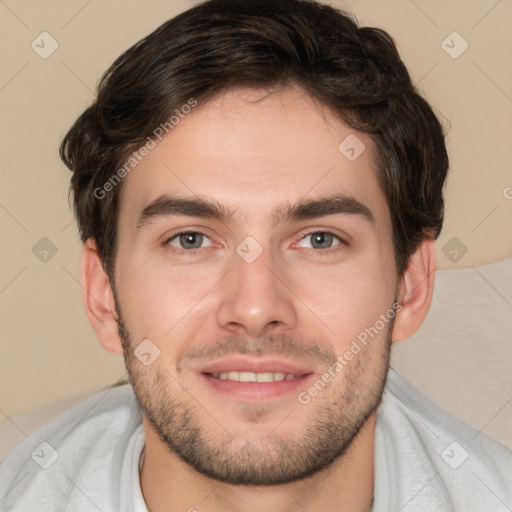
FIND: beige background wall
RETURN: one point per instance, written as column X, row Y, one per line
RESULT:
column 49, row 351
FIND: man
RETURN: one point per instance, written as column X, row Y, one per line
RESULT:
column 258, row 187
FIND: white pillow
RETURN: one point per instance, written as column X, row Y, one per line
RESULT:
column 461, row 357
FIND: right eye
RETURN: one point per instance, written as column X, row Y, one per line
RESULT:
column 189, row 240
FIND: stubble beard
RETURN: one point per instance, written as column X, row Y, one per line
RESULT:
column 335, row 417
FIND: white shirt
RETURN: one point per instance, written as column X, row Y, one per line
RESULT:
column 87, row 459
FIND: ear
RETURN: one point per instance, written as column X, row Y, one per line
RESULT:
column 415, row 291
column 98, row 299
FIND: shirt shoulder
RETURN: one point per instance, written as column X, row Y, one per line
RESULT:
column 432, row 460
column 75, row 460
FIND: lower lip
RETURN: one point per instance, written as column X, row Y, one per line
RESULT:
column 255, row 390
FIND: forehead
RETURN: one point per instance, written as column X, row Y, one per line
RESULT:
column 255, row 150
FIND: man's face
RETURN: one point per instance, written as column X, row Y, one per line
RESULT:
column 249, row 299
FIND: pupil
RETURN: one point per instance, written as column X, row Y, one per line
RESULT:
column 191, row 240
column 322, row 240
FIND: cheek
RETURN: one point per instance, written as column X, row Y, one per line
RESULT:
column 158, row 297
column 347, row 298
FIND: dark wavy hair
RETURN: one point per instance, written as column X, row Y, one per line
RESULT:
column 220, row 44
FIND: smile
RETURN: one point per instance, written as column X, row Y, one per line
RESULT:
column 255, row 377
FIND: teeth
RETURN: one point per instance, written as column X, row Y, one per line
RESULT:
column 255, row 377
column 265, row 377
column 246, row 377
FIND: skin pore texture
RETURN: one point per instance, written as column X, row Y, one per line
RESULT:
column 290, row 299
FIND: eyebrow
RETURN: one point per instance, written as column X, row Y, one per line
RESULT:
column 337, row 204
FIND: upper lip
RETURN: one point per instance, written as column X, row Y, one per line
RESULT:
column 260, row 365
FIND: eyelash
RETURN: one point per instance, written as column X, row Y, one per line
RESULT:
column 324, row 252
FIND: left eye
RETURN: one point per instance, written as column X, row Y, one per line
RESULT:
column 320, row 240
column 189, row 240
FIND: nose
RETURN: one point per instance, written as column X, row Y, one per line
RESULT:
column 255, row 299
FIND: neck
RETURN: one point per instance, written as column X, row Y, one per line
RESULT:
column 169, row 484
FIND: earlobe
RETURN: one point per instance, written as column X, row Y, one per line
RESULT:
column 415, row 291
column 98, row 299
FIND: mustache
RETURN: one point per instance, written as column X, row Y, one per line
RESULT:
column 274, row 344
